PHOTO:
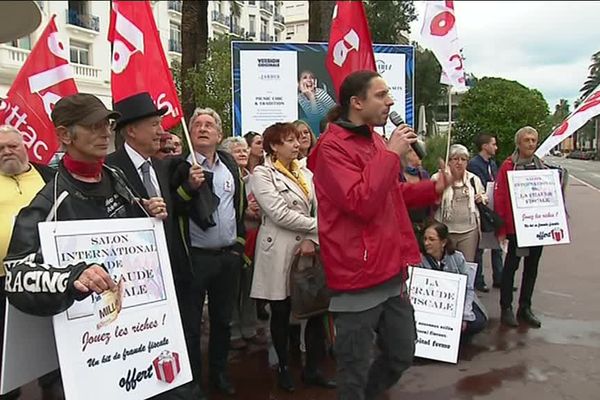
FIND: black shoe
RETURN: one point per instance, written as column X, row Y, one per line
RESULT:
column 284, row 379
column 483, row 288
column 507, row 318
column 317, row 379
column 525, row 315
column 221, row 383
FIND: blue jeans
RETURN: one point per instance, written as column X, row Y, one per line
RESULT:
column 496, row 267
column 476, row 326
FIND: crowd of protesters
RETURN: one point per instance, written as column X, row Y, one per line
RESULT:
column 236, row 211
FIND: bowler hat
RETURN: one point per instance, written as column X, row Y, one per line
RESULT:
column 81, row 109
column 136, row 107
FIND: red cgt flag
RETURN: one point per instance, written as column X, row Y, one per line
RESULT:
column 350, row 48
column 138, row 61
column 44, row 79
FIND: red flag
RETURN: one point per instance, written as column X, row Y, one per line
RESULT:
column 44, row 79
column 138, row 62
column 350, row 48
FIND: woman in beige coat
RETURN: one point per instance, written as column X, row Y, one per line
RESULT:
column 286, row 196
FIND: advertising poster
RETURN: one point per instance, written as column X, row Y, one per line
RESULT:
column 127, row 343
column 438, row 299
column 538, row 207
column 283, row 82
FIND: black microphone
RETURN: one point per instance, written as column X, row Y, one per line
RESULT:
column 418, row 146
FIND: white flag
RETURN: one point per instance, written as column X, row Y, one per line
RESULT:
column 438, row 33
column 582, row 114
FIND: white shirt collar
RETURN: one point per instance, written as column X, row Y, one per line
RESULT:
column 136, row 158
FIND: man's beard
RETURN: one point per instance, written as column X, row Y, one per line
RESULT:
column 13, row 167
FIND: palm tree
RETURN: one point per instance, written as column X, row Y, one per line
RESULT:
column 593, row 79
column 194, row 43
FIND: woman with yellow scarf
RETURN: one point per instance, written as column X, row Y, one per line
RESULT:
column 285, row 193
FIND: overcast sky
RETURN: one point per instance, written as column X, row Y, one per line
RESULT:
column 546, row 45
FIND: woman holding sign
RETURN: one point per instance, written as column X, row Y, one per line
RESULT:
column 440, row 255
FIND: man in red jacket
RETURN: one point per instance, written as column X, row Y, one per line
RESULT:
column 367, row 240
column 526, row 140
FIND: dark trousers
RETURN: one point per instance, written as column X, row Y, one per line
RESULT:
column 511, row 264
column 314, row 335
column 394, row 322
column 213, row 275
column 496, row 267
column 475, row 326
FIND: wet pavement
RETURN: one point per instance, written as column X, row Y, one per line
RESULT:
column 559, row 361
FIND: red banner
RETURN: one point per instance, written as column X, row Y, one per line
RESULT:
column 350, row 48
column 44, row 79
column 138, row 61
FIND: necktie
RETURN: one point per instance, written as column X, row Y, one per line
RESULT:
column 145, row 167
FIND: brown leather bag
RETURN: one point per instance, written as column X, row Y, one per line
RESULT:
column 308, row 289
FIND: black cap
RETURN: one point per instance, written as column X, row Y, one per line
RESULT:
column 136, row 107
column 82, row 109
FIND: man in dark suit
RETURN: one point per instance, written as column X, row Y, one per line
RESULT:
column 140, row 128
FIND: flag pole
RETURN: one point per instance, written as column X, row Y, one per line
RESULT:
column 449, row 122
column 186, row 133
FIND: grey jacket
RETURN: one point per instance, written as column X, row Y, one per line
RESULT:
column 456, row 264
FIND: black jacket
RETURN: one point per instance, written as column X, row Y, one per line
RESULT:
column 180, row 262
column 24, row 263
column 200, row 205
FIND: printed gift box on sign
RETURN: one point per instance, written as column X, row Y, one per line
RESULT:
column 166, row 366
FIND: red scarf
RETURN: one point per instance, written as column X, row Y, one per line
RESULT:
column 82, row 168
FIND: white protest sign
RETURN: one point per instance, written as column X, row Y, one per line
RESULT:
column 127, row 344
column 438, row 299
column 28, row 350
column 538, row 207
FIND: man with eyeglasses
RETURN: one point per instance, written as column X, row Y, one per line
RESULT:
column 83, row 188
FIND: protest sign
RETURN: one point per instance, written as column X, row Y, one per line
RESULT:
column 538, row 207
column 438, row 299
column 127, row 343
column 28, row 350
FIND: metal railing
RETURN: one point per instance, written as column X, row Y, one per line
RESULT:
column 220, row 18
column 87, row 21
column 265, row 37
column 237, row 30
column 175, row 5
column 264, row 5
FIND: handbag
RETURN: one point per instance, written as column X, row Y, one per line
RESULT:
column 309, row 294
column 490, row 220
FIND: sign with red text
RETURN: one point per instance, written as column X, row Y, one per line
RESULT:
column 538, row 208
column 127, row 343
column 438, row 299
column 42, row 81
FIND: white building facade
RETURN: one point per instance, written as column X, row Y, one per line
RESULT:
column 84, row 26
column 295, row 14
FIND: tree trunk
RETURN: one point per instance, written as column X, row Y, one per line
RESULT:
column 194, row 43
column 319, row 20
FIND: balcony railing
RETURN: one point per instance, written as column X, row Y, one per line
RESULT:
column 86, row 71
column 175, row 5
column 265, row 37
column 251, row 34
column 220, row 18
column 279, row 19
column 13, row 56
column 237, row 30
column 175, row 45
column 265, row 6
column 86, row 21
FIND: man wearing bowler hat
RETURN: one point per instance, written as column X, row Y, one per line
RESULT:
column 140, row 128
